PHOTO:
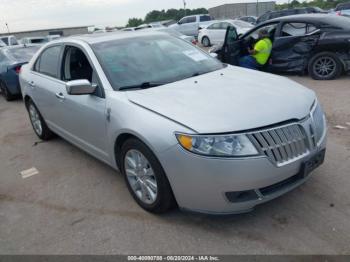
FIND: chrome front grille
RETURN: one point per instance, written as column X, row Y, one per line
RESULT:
column 281, row 144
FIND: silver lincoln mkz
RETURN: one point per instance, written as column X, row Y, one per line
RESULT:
column 181, row 126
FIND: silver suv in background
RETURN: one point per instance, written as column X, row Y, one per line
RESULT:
column 9, row 40
column 189, row 25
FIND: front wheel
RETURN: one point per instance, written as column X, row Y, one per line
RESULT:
column 325, row 66
column 145, row 177
column 38, row 122
column 205, row 41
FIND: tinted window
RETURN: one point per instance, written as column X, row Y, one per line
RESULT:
column 204, row 18
column 160, row 59
column 48, row 61
column 5, row 40
column 294, row 29
column 191, row 19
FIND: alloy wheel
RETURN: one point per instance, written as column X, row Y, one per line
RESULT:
column 140, row 176
column 324, row 66
column 35, row 119
column 206, row 41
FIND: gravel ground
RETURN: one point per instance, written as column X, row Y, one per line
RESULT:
column 78, row 205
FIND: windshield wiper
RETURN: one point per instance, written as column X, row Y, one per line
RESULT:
column 144, row 85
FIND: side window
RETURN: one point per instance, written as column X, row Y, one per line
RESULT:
column 47, row 63
column 183, row 21
column 214, row 26
column 5, row 40
column 76, row 66
column 271, row 29
column 13, row 41
column 204, row 18
column 224, row 25
column 191, row 19
column 294, row 29
column 311, row 28
column 231, row 35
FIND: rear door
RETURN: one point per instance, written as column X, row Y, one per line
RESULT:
column 292, row 46
column 45, row 85
column 213, row 32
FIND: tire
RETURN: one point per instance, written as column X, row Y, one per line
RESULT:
column 206, row 41
column 38, row 123
column 157, row 198
column 325, row 66
column 6, row 93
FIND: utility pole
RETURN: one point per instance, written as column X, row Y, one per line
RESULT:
column 257, row 8
column 185, row 6
column 8, row 29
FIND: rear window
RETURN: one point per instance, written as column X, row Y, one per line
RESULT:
column 23, row 54
column 205, row 18
column 5, row 40
column 38, row 40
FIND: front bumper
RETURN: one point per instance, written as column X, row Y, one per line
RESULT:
column 203, row 184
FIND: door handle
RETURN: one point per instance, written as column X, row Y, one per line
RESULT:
column 60, row 96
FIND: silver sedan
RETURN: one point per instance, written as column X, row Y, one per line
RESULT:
column 183, row 128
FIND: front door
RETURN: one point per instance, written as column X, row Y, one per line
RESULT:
column 292, row 47
column 84, row 116
column 231, row 50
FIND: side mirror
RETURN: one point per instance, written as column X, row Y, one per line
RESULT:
column 80, row 87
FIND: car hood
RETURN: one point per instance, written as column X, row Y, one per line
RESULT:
column 227, row 100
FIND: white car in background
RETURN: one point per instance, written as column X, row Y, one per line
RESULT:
column 214, row 33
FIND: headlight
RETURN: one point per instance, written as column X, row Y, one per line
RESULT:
column 221, row 145
column 320, row 122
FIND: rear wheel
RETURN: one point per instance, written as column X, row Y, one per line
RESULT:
column 325, row 66
column 7, row 94
column 206, row 41
column 145, row 177
column 38, row 122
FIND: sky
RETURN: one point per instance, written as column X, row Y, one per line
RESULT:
column 22, row 15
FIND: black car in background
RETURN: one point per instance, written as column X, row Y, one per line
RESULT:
column 343, row 9
column 318, row 44
column 286, row 12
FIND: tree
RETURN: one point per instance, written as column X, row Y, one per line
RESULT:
column 134, row 22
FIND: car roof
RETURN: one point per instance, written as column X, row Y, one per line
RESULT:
column 109, row 36
column 311, row 18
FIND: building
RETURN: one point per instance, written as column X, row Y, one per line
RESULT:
column 65, row 31
column 230, row 11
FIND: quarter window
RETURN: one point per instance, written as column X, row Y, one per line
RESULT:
column 47, row 63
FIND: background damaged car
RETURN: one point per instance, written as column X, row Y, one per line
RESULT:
column 316, row 44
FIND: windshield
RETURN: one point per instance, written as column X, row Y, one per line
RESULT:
column 151, row 59
column 23, row 54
